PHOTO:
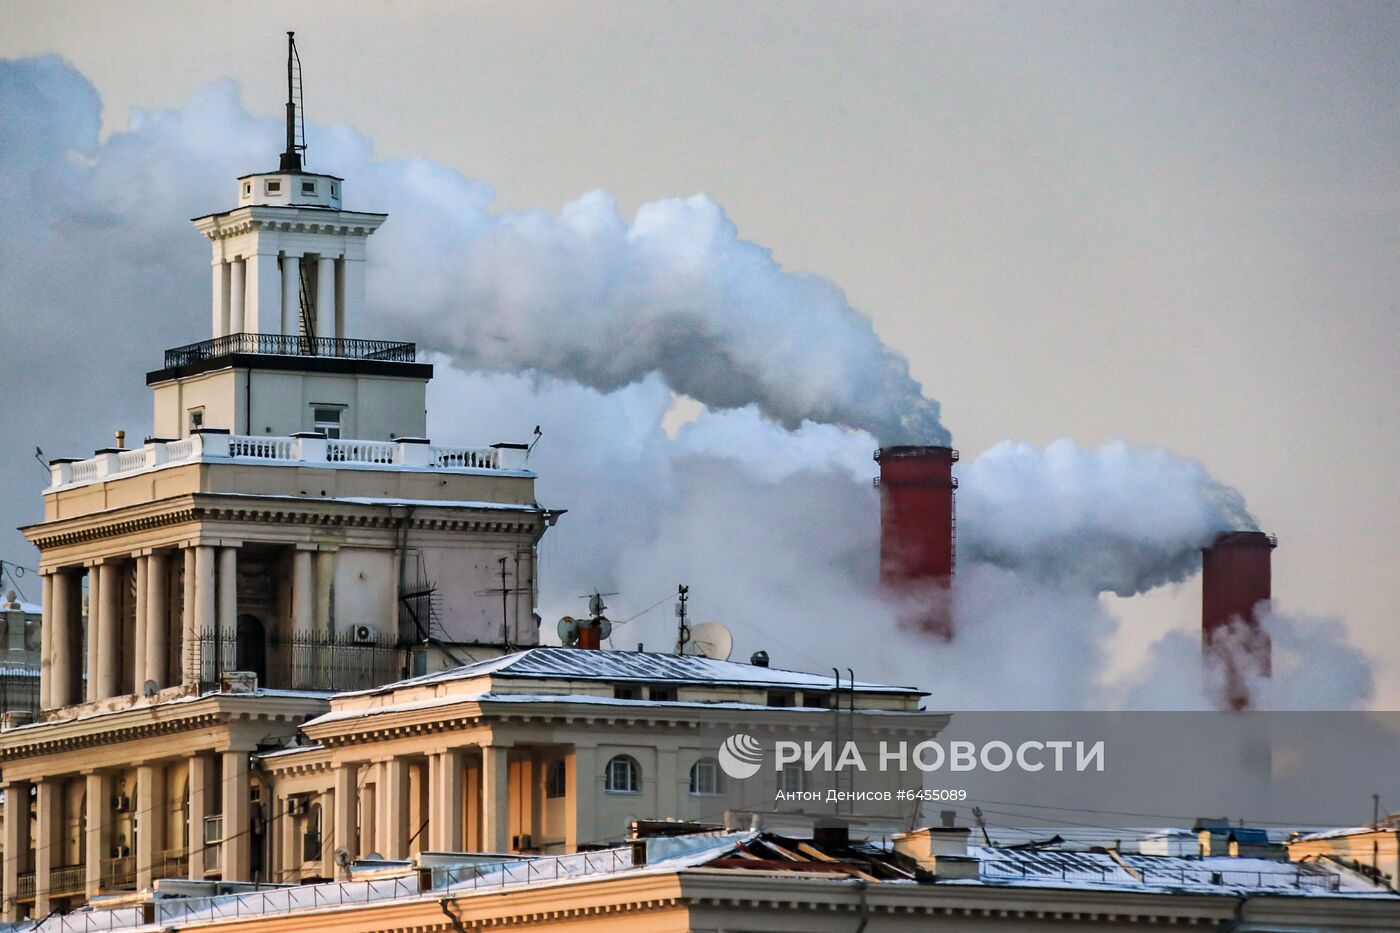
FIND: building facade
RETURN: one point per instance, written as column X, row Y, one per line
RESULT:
column 286, row 532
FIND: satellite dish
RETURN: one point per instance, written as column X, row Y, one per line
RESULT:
column 150, row 688
column 568, row 630
column 342, row 856
column 604, row 627
column 596, row 604
column 710, row 640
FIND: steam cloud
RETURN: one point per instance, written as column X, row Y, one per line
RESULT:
column 1118, row 518
column 590, row 324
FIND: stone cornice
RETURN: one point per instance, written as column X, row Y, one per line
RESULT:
column 279, row 510
column 144, row 721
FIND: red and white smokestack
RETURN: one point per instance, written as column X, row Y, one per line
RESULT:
column 916, row 531
column 1236, row 577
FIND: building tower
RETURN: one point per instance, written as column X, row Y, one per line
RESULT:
column 917, row 489
column 287, row 531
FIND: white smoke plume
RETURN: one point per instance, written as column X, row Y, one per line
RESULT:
column 1118, row 518
column 587, row 323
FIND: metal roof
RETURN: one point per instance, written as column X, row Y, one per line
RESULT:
column 548, row 663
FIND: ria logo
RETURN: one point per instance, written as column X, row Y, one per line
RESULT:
column 741, row 756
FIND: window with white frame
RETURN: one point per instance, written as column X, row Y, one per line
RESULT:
column 623, row 776
column 706, row 779
column 326, row 420
column 792, row 780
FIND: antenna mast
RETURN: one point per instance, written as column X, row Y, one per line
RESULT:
column 682, row 631
column 296, row 128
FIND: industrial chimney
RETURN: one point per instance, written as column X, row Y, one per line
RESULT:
column 916, row 531
column 1236, row 576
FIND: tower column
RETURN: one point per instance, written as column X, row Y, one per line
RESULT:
column 291, row 295
column 235, row 846
column 495, row 798
column 157, row 619
column 97, row 844
column 139, row 629
column 325, row 296
column 393, row 802
column 47, row 839
column 344, row 832
column 109, row 627
column 445, row 801
column 201, row 772
column 238, row 292
column 46, row 643
column 150, row 830
column 16, row 843
column 221, row 294
column 227, row 609
column 94, row 630
column 262, row 294
column 64, row 618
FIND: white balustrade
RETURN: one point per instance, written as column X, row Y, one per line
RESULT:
column 410, row 453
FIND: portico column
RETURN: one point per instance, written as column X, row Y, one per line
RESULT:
column 157, row 619
column 581, row 788
column 495, row 798
column 150, row 829
column 303, row 618
column 227, row 613
column 329, row 838
column 109, row 639
column 236, row 846
column 16, row 843
column 63, row 624
column 290, row 856
column 352, row 298
column 97, row 845
column 198, row 611
column 93, row 630
column 138, row 653
column 325, row 296
column 221, row 297
column 262, row 293
column 291, row 295
column 201, row 772
column 237, row 292
column 344, row 831
column 47, row 839
column 325, row 576
column 393, row 808
column 445, row 801
column 46, row 643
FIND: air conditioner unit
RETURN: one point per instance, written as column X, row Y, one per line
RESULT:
column 296, row 806
column 121, row 851
column 522, row 842
column 362, row 635
column 121, row 803
column 213, row 829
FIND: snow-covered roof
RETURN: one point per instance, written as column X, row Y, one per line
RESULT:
column 1345, row 831
column 1209, row 874
column 641, row 666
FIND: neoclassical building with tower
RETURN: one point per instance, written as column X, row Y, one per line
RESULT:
column 287, row 531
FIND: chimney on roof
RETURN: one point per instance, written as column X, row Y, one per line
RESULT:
column 1236, row 578
column 917, row 486
column 941, row 851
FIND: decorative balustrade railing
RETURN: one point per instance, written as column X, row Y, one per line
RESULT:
column 307, row 448
column 344, row 348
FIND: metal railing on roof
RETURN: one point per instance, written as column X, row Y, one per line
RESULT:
column 345, row 348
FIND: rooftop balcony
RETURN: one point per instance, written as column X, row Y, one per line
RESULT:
column 284, row 351
column 301, row 449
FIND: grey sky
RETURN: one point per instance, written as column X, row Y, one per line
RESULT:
column 1175, row 224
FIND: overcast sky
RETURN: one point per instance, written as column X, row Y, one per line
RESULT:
column 1173, row 224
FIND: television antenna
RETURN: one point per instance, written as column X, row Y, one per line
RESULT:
column 682, row 630
column 506, row 591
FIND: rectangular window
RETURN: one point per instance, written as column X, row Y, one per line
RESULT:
column 247, row 188
column 792, row 780
column 621, row 692
column 273, row 187
column 555, row 781
column 780, row 698
column 327, row 421
column 308, row 187
column 335, row 190
column 196, row 419
column 662, row 694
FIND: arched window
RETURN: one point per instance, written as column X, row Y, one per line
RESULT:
column 555, row 785
column 623, row 776
column 250, row 647
column 706, row 777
